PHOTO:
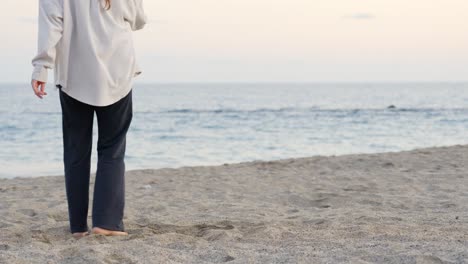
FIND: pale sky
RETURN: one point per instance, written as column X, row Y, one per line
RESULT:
column 276, row 40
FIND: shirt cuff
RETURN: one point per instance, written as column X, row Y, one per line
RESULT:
column 39, row 73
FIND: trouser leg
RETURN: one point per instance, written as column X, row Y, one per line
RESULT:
column 77, row 128
column 109, row 189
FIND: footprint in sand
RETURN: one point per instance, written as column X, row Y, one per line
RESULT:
column 58, row 216
column 27, row 212
column 4, row 247
column 4, row 225
column 317, row 221
column 216, row 256
column 209, row 232
column 322, row 201
column 41, row 236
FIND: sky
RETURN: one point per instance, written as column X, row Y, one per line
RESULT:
column 276, row 41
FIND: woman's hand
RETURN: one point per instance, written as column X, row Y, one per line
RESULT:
column 39, row 88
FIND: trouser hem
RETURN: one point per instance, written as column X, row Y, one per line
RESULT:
column 113, row 227
column 80, row 230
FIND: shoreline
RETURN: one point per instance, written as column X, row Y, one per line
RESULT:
column 393, row 207
column 266, row 160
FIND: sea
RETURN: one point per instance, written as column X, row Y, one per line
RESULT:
column 192, row 124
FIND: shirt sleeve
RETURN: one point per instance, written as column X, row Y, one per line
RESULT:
column 50, row 28
column 136, row 15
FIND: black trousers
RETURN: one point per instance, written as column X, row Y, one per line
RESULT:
column 109, row 188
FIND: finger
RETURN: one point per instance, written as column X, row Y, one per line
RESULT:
column 43, row 88
column 34, row 85
column 35, row 88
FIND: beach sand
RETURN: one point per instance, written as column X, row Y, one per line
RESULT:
column 402, row 207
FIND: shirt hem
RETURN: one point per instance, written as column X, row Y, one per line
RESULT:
column 124, row 93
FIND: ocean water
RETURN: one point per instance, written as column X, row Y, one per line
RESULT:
column 178, row 125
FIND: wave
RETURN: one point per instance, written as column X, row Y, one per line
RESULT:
column 261, row 110
column 307, row 109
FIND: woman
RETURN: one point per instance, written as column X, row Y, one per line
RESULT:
column 89, row 45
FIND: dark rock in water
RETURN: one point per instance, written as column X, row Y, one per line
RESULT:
column 391, row 107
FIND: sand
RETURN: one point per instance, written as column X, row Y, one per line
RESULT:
column 405, row 207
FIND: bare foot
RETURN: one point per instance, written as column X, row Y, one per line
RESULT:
column 80, row 234
column 106, row 232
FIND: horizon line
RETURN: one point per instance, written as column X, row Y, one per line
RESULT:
column 283, row 82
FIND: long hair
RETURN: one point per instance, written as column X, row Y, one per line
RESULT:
column 108, row 4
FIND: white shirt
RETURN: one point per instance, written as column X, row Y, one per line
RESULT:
column 89, row 48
